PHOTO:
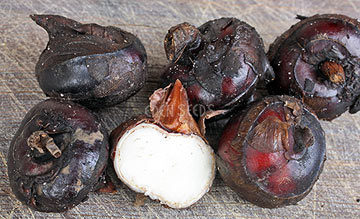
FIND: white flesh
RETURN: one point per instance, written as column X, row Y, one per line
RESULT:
column 174, row 168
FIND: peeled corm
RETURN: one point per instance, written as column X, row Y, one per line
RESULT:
column 164, row 157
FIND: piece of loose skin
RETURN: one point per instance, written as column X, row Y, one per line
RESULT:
column 164, row 157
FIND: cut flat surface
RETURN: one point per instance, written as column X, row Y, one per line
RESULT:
column 336, row 193
column 174, row 168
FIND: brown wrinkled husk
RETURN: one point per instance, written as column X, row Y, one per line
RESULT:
column 170, row 108
column 209, row 115
column 270, row 136
column 140, row 200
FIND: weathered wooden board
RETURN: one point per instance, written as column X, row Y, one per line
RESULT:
column 337, row 193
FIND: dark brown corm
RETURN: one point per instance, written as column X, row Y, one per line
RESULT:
column 318, row 60
column 57, row 156
column 218, row 63
column 89, row 63
column 273, row 152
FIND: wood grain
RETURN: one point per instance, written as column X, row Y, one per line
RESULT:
column 337, row 193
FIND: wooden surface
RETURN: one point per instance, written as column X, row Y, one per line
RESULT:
column 336, row 194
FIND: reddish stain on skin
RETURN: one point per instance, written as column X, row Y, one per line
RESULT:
column 193, row 92
column 258, row 162
column 228, row 87
column 270, row 112
column 271, row 167
column 227, row 31
column 226, row 151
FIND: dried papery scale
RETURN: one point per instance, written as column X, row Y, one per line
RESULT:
column 273, row 152
column 57, row 156
column 165, row 157
column 218, row 63
column 88, row 63
column 318, row 60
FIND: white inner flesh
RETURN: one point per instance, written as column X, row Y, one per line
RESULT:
column 174, row 168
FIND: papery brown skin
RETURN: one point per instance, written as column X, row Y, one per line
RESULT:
column 273, row 152
column 50, row 184
column 318, row 60
column 218, row 63
column 170, row 108
column 88, row 63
